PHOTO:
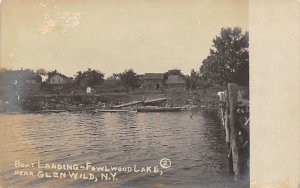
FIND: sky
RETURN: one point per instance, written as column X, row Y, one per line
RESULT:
column 114, row 35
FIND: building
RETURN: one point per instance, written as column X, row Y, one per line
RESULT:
column 59, row 82
column 21, row 76
column 153, row 81
column 19, row 83
column 88, row 90
column 176, row 82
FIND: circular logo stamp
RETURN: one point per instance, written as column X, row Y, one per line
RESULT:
column 165, row 163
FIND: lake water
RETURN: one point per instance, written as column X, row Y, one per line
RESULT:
column 194, row 145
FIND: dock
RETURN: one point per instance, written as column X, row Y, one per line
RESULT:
column 128, row 104
column 235, row 120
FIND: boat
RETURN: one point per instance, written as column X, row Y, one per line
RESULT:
column 127, row 104
column 53, row 111
column 154, row 102
column 150, row 102
column 111, row 110
column 158, row 109
column 80, row 108
column 188, row 107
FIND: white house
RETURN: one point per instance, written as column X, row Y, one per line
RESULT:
column 59, row 81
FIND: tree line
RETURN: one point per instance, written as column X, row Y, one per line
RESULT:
column 227, row 62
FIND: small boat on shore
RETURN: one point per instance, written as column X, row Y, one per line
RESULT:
column 149, row 102
column 80, row 109
column 112, row 110
column 52, row 111
column 154, row 102
column 158, row 109
column 128, row 104
column 188, row 107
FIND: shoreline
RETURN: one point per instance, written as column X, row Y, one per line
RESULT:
column 204, row 99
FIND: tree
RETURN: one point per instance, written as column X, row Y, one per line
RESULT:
column 89, row 78
column 114, row 76
column 41, row 72
column 174, row 71
column 193, row 79
column 50, row 74
column 129, row 78
column 228, row 60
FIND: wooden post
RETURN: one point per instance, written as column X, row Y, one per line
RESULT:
column 227, row 128
column 234, row 130
column 222, row 116
column 226, row 122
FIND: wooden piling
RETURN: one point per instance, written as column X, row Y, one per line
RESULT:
column 227, row 128
column 222, row 116
column 232, row 94
column 226, row 119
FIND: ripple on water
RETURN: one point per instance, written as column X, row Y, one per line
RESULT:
column 194, row 145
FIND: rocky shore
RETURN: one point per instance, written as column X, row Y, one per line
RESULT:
column 207, row 99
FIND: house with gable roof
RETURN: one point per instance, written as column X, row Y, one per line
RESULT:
column 58, row 82
column 153, row 81
column 176, row 82
column 19, row 83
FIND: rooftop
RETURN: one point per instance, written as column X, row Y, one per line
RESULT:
column 175, row 79
column 154, row 76
column 20, row 75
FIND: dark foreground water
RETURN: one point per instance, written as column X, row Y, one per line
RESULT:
column 132, row 141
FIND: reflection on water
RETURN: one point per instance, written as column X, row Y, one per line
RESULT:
column 195, row 146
